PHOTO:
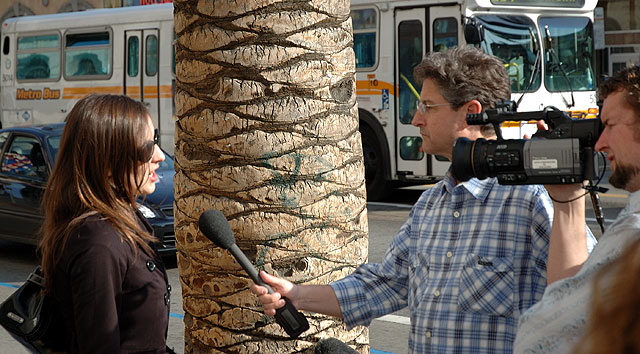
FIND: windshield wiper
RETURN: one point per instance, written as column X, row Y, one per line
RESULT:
column 556, row 65
column 536, row 66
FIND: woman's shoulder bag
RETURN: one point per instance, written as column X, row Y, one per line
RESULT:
column 28, row 315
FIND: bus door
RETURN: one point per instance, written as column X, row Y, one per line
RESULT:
column 444, row 25
column 142, row 80
column 444, row 32
column 419, row 31
column 410, row 40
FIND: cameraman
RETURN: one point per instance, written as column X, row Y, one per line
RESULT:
column 557, row 322
column 471, row 257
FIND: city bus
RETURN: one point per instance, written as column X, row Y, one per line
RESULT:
column 48, row 62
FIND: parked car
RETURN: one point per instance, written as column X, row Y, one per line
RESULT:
column 27, row 155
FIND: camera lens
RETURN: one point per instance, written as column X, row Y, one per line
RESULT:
column 469, row 159
column 461, row 161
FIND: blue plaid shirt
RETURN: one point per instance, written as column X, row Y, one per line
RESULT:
column 468, row 261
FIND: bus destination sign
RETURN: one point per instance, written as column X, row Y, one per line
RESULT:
column 541, row 3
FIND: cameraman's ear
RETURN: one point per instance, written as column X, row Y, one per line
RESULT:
column 473, row 106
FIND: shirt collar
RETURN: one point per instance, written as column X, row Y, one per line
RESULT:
column 633, row 205
column 479, row 189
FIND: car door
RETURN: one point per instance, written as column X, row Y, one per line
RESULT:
column 23, row 175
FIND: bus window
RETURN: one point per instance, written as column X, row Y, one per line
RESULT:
column 409, row 55
column 6, row 45
column 568, row 53
column 365, row 33
column 38, row 57
column 133, row 53
column 445, row 33
column 410, row 148
column 513, row 38
column 87, row 55
column 151, row 55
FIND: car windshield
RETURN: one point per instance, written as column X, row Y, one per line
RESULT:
column 54, row 144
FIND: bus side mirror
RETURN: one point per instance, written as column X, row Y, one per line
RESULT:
column 473, row 32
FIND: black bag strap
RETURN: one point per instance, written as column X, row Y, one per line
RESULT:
column 37, row 277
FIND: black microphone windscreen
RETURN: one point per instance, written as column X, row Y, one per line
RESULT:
column 214, row 225
column 333, row 346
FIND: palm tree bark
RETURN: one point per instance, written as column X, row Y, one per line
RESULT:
column 267, row 133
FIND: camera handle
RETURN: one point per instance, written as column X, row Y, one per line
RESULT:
column 594, row 189
column 595, row 201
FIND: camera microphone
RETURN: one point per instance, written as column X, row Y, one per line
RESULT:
column 214, row 225
column 333, row 346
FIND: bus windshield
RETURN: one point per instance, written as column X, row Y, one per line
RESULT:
column 513, row 39
column 568, row 53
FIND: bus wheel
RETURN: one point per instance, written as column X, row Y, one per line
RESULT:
column 377, row 187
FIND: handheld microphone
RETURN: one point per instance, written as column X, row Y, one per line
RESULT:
column 333, row 346
column 214, row 225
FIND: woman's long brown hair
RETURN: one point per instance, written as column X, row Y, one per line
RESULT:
column 99, row 151
column 614, row 321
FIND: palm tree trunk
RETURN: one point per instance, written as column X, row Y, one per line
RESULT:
column 267, row 133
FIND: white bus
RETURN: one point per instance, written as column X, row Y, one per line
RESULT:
column 546, row 46
column 48, row 62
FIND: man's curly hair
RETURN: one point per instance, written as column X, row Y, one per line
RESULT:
column 466, row 73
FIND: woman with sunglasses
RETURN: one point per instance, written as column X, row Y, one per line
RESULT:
column 98, row 251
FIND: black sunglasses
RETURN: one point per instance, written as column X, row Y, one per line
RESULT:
column 146, row 150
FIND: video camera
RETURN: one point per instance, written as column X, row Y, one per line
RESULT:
column 564, row 154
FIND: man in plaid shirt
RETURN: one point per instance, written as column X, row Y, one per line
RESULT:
column 472, row 255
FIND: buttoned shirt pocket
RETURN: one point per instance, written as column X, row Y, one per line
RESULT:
column 487, row 285
column 418, row 278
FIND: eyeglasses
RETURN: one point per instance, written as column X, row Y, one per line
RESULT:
column 147, row 149
column 422, row 107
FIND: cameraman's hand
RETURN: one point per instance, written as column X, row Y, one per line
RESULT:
column 541, row 126
column 282, row 288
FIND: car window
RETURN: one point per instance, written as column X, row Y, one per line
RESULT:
column 3, row 138
column 24, row 157
column 54, row 144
